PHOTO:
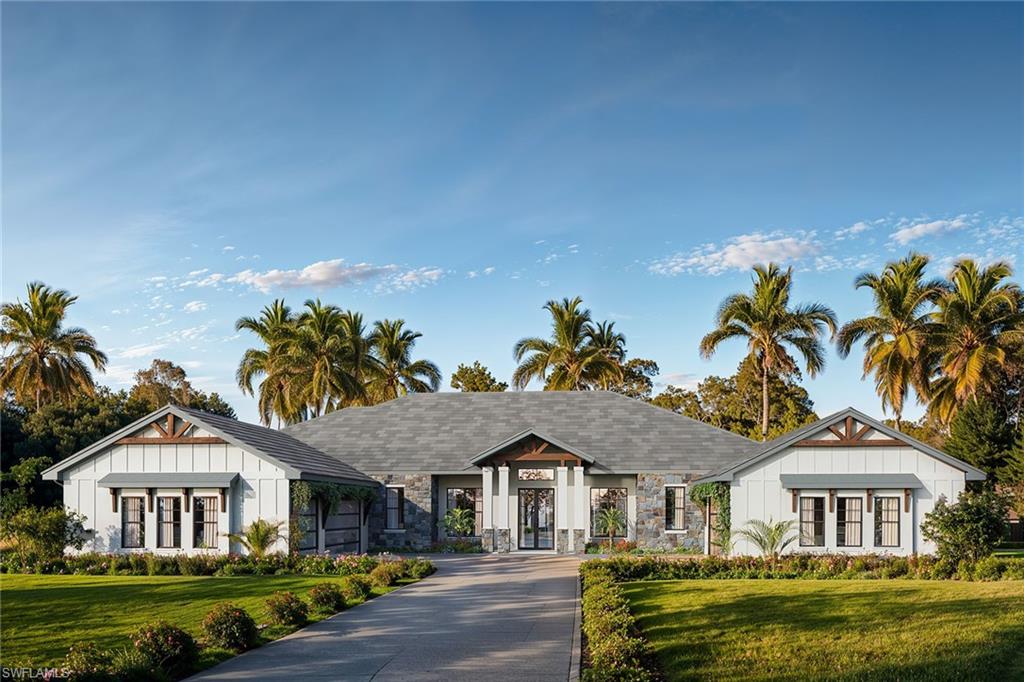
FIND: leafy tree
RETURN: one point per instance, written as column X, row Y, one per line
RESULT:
column 734, row 403
column 43, row 361
column 637, row 379
column 771, row 327
column 970, row 528
column 22, row 478
column 927, row 429
column 37, row 534
column 579, row 355
column 476, row 378
column 980, row 434
column 896, row 336
column 399, row 373
column 165, row 382
column 980, row 320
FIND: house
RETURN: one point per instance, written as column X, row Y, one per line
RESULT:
column 535, row 469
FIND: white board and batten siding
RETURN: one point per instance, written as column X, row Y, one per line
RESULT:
column 260, row 491
column 758, row 492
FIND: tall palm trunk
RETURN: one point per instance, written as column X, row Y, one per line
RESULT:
column 764, row 401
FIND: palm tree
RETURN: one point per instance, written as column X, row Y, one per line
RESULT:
column 771, row 538
column 610, row 521
column 44, row 361
column 398, row 373
column 314, row 352
column 278, row 388
column 603, row 335
column 259, row 537
column 357, row 355
column 980, row 315
column 570, row 361
column 770, row 326
column 896, row 336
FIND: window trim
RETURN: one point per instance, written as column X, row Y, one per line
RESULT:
column 399, row 507
column 175, row 524
column 879, row 523
column 859, row 522
column 625, row 508
column 677, row 487
column 198, row 522
column 141, row 523
column 814, row 521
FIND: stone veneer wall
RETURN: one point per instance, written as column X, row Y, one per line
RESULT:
column 650, row 514
column 420, row 502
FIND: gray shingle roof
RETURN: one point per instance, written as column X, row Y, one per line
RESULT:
column 442, row 432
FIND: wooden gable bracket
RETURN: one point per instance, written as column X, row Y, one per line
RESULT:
column 169, row 434
column 113, row 499
column 187, row 494
column 906, row 499
column 796, row 497
column 846, row 437
column 871, row 497
column 150, row 494
column 223, row 499
column 831, row 500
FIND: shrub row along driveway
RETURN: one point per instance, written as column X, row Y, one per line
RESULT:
column 479, row 617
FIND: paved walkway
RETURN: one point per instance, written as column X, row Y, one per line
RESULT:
column 480, row 617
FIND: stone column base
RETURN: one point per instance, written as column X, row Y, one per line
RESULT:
column 562, row 541
column 579, row 541
column 502, row 540
column 487, row 539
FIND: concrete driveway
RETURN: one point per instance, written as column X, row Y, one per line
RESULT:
column 480, row 617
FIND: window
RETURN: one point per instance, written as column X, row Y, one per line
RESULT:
column 133, row 523
column 812, row 521
column 675, row 508
column 395, row 509
column 887, row 522
column 606, row 498
column 168, row 527
column 468, row 498
column 848, row 521
column 204, row 522
column 536, row 474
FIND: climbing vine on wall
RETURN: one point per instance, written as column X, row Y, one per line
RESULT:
column 328, row 495
column 717, row 494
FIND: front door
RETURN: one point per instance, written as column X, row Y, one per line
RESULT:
column 536, row 518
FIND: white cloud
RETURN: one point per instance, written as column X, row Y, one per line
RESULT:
column 320, row 275
column 916, row 230
column 412, row 279
column 194, row 306
column 679, row 380
column 228, row 248
column 196, row 273
column 139, row 350
column 854, row 229
column 489, row 270
column 190, row 333
column 157, row 278
column 119, row 374
column 739, row 253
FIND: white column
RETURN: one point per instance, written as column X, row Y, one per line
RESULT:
column 562, row 497
column 487, row 474
column 579, row 507
column 501, row 520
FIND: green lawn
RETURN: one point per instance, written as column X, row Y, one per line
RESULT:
column 42, row 615
column 847, row 630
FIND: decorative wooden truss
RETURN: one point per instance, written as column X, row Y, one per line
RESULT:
column 847, row 436
column 171, row 432
column 535, row 449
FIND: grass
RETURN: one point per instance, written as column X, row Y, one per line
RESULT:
column 840, row 630
column 45, row 614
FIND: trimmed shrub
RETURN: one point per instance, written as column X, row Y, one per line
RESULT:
column 356, row 587
column 287, row 609
column 167, row 647
column 86, row 662
column 615, row 650
column 229, row 627
column 131, row 665
column 387, row 573
column 327, row 597
column 418, row 569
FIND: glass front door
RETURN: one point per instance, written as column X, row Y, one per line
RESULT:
column 536, row 518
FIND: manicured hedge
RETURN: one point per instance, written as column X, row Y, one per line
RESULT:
column 93, row 563
column 614, row 649
column 797, row 566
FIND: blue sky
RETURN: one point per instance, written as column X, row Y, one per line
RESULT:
column 180, row 165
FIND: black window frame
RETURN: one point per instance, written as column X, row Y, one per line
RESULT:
column 844, row 522
column 678, row 504
column 881, row 522
column 476, row 499
column 202, row 522
column 815, row 522
column 175, row 522
column 399, row 507
column 127, row 506
column 622, row 502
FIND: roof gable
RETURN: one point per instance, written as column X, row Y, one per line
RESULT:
column 526, row 436
column 846, row 428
